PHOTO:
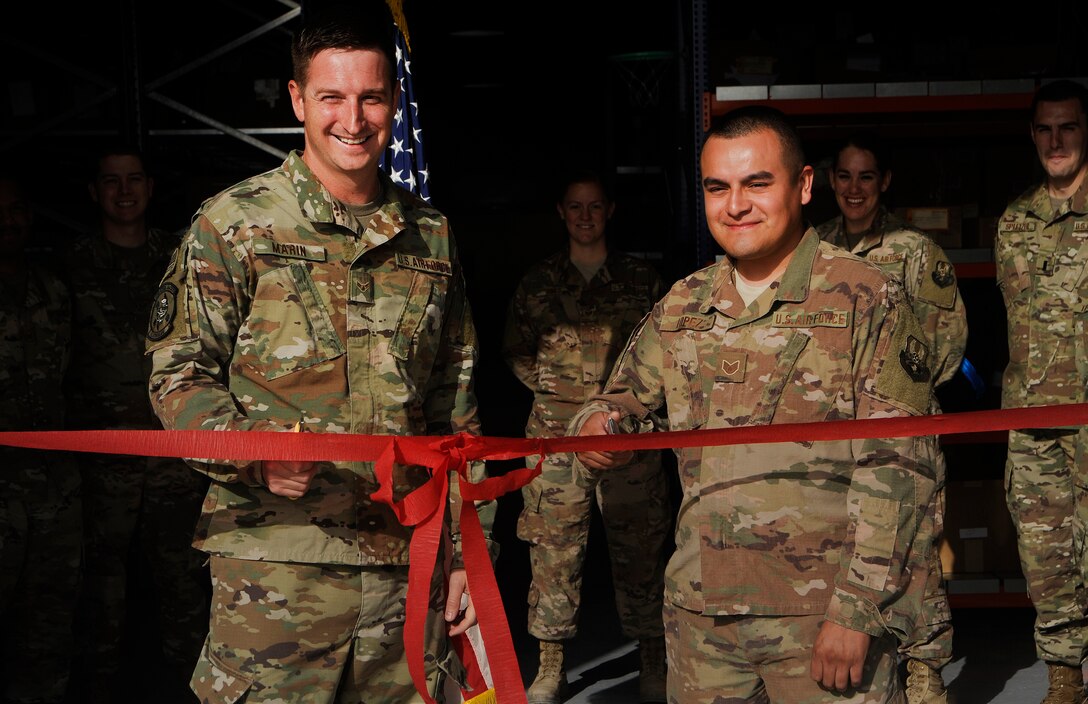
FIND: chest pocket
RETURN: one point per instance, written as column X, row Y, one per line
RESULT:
column 797, row 376
column 783, row 380
column 288, row 327
column 1013, row 268
column 689, row 387
column 416, row 337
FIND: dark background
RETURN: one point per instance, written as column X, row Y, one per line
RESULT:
column 510, row 95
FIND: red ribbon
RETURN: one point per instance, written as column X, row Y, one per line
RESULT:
column 424, row 507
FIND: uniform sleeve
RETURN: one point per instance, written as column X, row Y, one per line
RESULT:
column 939, row 307
column 520, row 339
column 893, row 479
column 451, row 407
column 198, row 310
column 634, row 387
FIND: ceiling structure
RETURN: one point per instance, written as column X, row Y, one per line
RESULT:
column 508, row 93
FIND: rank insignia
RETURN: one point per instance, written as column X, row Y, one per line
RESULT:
column 733, row 365
column 163, row 312
column 943, row 274
column 915, row 359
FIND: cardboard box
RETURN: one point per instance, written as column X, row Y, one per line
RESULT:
column 979, row 536
column 943, row 223
column 728, row 93
column 1013, row 582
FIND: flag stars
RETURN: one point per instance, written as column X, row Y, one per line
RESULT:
column 403, row 158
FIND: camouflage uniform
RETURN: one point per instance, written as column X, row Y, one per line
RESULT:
column 563, row 334
column 152, row 501
column 786, row 530
column 40, row 506
column 283, row 308
column 1041, row 254
column 912, row 258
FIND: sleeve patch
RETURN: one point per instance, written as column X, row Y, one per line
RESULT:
column 914, row 358
column 163, row 312
column 905, row 375
column 169, row 320
column 938, row 285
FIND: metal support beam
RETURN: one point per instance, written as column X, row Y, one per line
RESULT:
column 221, row 126
column 699, row 86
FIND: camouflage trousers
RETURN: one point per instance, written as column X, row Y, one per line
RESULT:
column 555, row 521
column 1048, row 501
column 316, row 634
column 40, row 555
column 921, row 617
column 140, row 514
column 763, row 659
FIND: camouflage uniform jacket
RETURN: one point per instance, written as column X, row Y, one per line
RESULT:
column 281, row 308
column 796, row 527
column 911, row 257
column 1042, row 272
column 35, row 336
column 112, row 291
column 564, row 334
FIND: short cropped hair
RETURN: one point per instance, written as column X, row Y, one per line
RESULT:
column 114, row 149
column 1058, row 91
column 743, row 121
column 361, row 24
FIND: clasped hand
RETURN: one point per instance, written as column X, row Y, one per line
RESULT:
column 597, row 424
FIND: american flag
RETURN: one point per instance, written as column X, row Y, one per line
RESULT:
column 403, row 159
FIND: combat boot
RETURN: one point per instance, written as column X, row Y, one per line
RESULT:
column 652, row 670
column 550, row 685
column 924, row 684
column 1066, row 684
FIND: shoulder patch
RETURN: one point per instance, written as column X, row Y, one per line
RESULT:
column 169, row 319
column 943, row 275
column 163, row 312
column 905, row 376
column 938, row 284
column 914, row 358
